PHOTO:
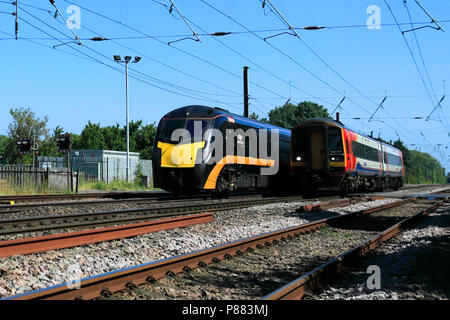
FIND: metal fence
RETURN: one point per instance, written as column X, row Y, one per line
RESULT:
column 25, row 178
column 52, row 174
column 104, row 169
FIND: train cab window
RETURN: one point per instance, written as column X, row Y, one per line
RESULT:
column 170, row 125
column 335, row 144
column 299, row 144
column 190, row 126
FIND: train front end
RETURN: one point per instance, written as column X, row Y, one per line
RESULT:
column 178, row 150
column 318, row 155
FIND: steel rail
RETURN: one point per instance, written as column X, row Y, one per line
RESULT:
column 7, row 208
column 297, row 288
column 73, row 239
column 106, row 284
column 102, row 195
column 37, row 223
column 116, row 194
column 338, row 204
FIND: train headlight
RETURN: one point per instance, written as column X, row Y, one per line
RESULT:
column 298, row 158
column 337, row 158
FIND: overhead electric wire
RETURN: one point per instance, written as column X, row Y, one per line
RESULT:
column 163, row 82
column 117, row 69
column 306, row 69
column 157, row 61
column 277, row 49
column 284, row 54
column 162, row 42
column 199, row 97
column 174, row 47
column 411, row 53
column 423, row 60
column 43, row 45
column 259, row 66
column 283, row 20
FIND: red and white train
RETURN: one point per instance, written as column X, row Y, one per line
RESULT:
column 326, row 155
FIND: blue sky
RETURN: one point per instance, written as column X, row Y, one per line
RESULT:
column 367, row 64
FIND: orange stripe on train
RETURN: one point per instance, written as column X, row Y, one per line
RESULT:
column 212, row 178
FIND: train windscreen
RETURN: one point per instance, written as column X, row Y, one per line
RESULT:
column 168, row 126
column 299, row 143
column 335, row 145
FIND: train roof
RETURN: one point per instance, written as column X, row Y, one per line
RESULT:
column 320, row 121
column 341, row 125
column 199, row 111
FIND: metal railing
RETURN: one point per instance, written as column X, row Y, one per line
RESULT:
column 25, row 178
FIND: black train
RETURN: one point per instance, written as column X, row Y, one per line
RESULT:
column 186, row 166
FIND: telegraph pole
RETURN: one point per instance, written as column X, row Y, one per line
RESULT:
column 246, row 91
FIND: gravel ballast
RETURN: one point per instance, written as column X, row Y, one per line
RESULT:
column 256, row 274
column 413, row 265
column 40, row 270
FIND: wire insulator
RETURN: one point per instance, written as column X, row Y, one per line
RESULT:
column 220, row 34
column 313, row 28
column 98, row 39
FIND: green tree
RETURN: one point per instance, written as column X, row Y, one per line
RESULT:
column 24, row 125
column 91, row 138
column 95, row 137
column 253, row 116
column 290, row 115
column 406, row 157
column 49, row 147
column 145, row 139
column 3, row 145
column 423, row 168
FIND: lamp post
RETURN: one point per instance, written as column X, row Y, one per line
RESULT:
column 126, row 61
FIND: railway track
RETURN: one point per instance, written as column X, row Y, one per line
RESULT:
column 106, row 285
column 113, row 217
column 156, row 198
column 28, row 200
column 89, row 195
column 54, row 208
column 73, row 239
column 296, row 289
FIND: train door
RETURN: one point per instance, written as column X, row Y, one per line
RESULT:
column 349, row 154
column 317, row 143
column 386, row 161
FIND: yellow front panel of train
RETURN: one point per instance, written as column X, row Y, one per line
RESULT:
column 179, row 155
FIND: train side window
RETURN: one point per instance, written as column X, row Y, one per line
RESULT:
column 365, row 152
